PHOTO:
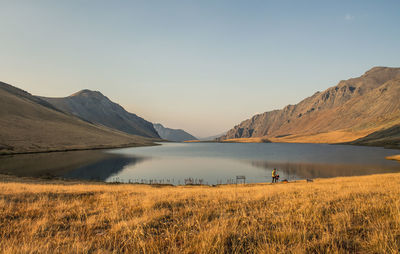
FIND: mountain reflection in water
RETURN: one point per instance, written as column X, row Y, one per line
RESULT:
column 303, row 170
column 211, row 163
column 104, row 169
column 88, row 165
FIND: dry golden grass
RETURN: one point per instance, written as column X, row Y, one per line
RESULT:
column 340, row 215
column 394, row 157
column 327, row 137
column 332, row 137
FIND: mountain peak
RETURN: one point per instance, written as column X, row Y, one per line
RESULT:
column 379, row 69
column 95, row 107
column 177, row 135
column 87, row 93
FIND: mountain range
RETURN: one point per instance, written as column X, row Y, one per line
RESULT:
column 347, row 112
column 31, row 124
column 361, row 111
column 177, row 135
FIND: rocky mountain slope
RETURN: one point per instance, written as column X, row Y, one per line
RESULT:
column 94, row 107
column 351, row 110
column 173, row 134
column 30, row 124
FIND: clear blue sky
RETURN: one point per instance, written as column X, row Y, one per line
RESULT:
column 203, row 66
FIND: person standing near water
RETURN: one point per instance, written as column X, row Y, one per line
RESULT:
column 274, row 175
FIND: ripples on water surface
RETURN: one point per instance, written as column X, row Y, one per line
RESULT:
column 211, row 162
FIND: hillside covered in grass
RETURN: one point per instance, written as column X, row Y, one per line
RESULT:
column 29, row 124
column 354, row 214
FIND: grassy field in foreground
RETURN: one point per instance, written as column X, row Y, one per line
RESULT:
column 353, row 214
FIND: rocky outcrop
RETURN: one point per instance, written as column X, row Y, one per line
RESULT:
column 94, row 107
column 369, row 101
column 177, row 135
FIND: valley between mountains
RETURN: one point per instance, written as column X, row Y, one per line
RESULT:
column 84, row 120
column 359, row 111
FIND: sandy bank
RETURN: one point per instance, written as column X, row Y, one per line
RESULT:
column 394, row 157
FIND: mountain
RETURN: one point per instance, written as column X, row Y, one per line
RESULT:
column 173, row 134
column 30, row 124
column 389, row 138
column 348, row 111
column 94, row 107
column 210, row 138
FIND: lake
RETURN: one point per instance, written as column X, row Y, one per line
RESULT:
column 207, row 163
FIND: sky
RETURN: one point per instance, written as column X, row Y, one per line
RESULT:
column 203, row 66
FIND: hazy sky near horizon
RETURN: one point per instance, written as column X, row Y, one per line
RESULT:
column 203, row 66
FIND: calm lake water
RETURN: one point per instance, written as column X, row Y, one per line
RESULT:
column 211, row 163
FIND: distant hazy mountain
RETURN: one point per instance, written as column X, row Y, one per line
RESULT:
column 351, row 110
column 30, row 124
column 173, row 134
column 210, row 138
column 94, row 107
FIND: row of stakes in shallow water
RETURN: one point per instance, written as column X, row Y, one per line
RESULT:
column 187, row 181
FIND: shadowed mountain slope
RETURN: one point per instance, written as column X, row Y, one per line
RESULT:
column 389, row 137
column 173, row 134
column 351, row 110
column 30, row 124
column 94, row 107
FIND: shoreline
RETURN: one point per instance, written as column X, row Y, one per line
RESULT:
column 230, row 141
column 267, row 141
column 83, row 149
column 57, row 180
